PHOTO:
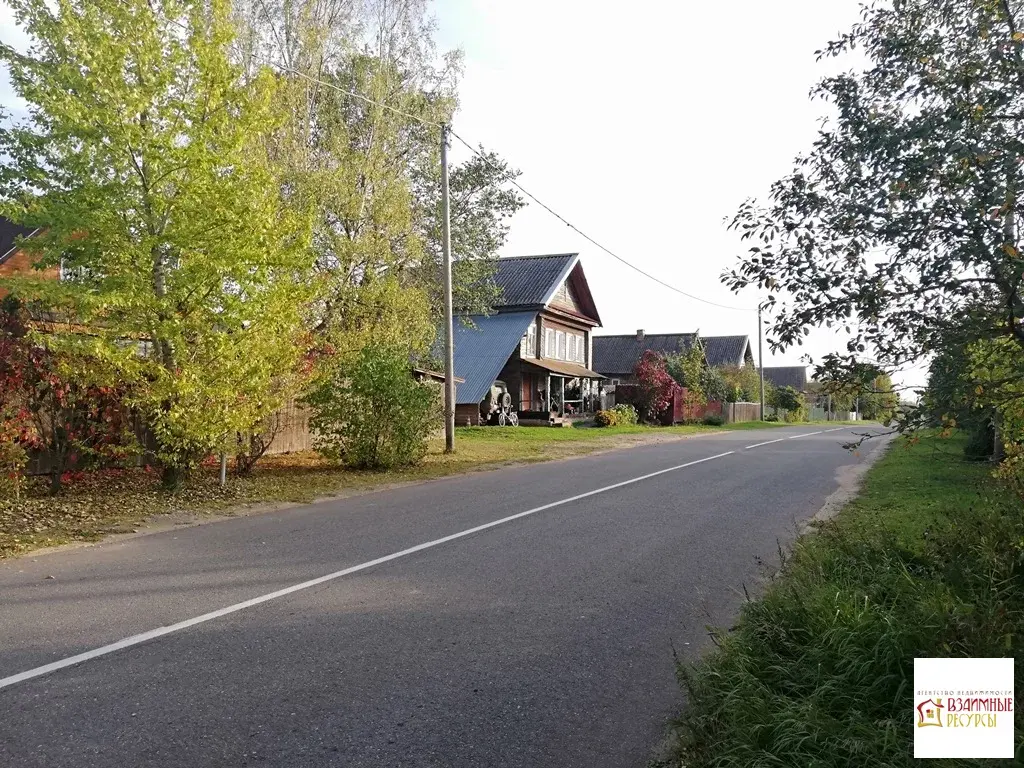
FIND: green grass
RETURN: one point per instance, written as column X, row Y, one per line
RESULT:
column 927, row 561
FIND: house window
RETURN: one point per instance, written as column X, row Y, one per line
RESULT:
column 571, row 341
column 549, row 342
column 560, row 354
column 581, row 350
column 528, row 345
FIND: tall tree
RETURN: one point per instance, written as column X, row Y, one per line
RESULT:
column 368, row 92
column 143, row 159
column 905, row 214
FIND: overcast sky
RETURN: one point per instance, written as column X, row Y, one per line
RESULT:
column 645, row 124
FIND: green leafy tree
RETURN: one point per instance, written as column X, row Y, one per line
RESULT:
column 787, row 399
column 714, row 385
column 743, row 383
column 144, row 161
column 373, row 414
column 904, row 215
column 367, row 92
column 687, row 368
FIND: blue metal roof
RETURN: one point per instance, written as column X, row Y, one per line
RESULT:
column 481, row 352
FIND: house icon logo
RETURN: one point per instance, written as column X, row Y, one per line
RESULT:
column 929, row 712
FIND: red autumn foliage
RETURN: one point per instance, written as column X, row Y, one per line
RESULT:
column 74, row 423
column 654, row 386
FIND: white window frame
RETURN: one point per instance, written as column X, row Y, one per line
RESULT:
column 550, row 345
column 560, row 345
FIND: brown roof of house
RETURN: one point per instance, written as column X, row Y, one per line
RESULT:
column 563, row 368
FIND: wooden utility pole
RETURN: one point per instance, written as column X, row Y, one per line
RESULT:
column 449, row 341
column 760, row 354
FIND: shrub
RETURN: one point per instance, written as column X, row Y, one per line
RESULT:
column 605, row 418
column 252, row 445
column 772, row 417
column 1011, row 469
column 373, row 414
column 981, row 441
column 625, row 414
column 64, row 401
column 714, row 420
column 654, row 385
column 15, row 435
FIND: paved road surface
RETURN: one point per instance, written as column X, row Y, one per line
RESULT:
column 542, row 641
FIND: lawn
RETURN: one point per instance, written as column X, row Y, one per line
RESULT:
column 99, row 503
column 928, row 560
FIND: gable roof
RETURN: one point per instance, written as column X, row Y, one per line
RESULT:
column 726, row 350
column 481, row 352
column 9, row 233
column 620, row 354
column 532, row 282
column 788, row 376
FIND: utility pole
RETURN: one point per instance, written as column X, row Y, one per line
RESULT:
column 449, row 341
column 760, row 354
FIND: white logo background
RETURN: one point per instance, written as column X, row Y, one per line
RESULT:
column 962, row 678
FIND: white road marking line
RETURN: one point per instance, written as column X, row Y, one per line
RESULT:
column 766, row 442
column 792, row 437
column 805, row 434
column 152, row 634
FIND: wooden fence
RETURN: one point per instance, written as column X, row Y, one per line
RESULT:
column 291, row 423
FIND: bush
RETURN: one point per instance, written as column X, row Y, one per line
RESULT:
column 772, row 418
column 981, row 441
column 654, row 386
column 605, row 418
column 714, row 420
column 625, row 414
column 373, row 414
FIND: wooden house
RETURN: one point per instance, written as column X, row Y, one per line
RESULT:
column 536, row 346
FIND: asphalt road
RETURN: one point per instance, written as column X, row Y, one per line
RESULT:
column 545, row 640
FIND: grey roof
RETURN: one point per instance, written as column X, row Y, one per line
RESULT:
column 9, row 233
column 481, row 352
column 620, row 354
column 788, row 376
column 725, row 350
column 531, row 281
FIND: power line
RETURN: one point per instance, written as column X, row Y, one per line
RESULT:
column 595, row 242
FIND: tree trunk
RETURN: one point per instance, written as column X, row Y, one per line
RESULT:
column 55, row 476
column 172, row 477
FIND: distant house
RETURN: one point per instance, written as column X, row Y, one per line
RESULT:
column 723, row 351
column 615, row 357
column 536, row 346
column 794, row 376
column 13, row 259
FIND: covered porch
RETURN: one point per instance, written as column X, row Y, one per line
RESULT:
column 554, row 388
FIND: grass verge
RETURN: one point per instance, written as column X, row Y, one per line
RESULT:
column 96, row 504
column 928, row 560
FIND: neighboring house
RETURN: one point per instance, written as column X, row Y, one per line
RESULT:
column 615, row 357
column 727, row 351
column 14, row 260
column 794, row 376
column 537, row 343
